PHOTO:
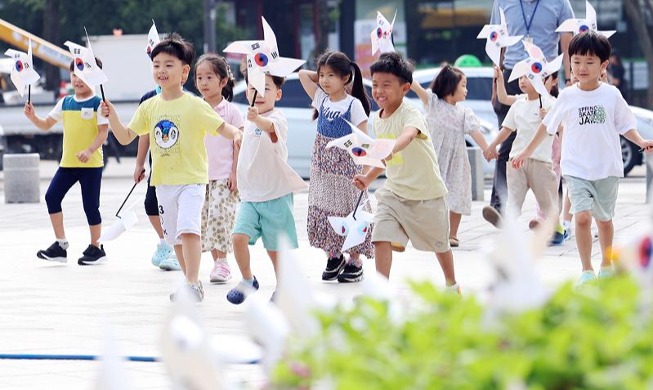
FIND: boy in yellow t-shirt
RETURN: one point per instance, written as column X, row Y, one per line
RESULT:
column 84, row 132
column 176, row 123
column 411, row 203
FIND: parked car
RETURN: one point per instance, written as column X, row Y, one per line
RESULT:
column 629, row 151
column 296, row 106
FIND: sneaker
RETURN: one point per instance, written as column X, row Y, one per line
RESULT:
column 566, row 234
column 568, row 228
column 163, row 251
column 170, row 264
column 533, row 223
column 238, row 294
column 93, row 255
column 606, row 272
column 194, row 291
column 351, row 273
column 492, row 216
column 557, row 239
column 54, row 253
column 333, row 267
column 585, row 277
column 454, row 242
column 221, row 272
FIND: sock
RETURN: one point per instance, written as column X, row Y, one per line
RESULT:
column 63, row 243
column 223, row 260
column 162, row 241
column 357, row 262
column 249, row 282
column 566, row 224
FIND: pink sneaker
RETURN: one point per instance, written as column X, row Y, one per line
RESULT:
column 221, row 272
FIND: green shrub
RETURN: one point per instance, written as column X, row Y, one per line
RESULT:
column 597, row 338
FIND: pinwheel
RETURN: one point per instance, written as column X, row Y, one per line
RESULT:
column 578, row 26
column 364, row 149
column 263, row 57
column 353, row 227
column 382, row 35
column 23, row 73
column 152, row 39
column 85, row 66
column 496, row 36
column 536, row 68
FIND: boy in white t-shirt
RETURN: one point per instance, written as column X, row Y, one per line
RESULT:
column 524, row 117
column 594, row 114
column 266, row 184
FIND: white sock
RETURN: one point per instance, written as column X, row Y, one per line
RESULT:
column 162, row 241
column 250, row 282
column 221, row 260
column 63, row 243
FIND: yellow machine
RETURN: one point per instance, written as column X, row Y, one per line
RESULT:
column 41, row 48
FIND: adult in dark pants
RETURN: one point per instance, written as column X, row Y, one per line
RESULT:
column 536, row 20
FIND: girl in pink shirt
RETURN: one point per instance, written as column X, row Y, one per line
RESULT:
column 214, row 80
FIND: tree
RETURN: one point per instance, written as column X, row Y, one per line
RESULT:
column 637, row 11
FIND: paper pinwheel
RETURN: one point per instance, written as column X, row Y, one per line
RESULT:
column 536, row 68
column 152, row 39
column 578, row 26
column 353, row 227
column 382, row 35
column 496, row 36
column 263, row 57
column 22, row 73
column 126, row 220
column 85, row 66
column 364, row 149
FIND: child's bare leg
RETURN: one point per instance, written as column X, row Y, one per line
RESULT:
column 454, row 224
column 383, row 257
column 56, row 220
column 95, row 230
column 446, row 263
column 275, row 263
column 218, row 254
column 584, row 238
column 155, row 221
column 606, row 234
column 566, row 214
column 191, row 246
column 180, row 258
column 241, row 252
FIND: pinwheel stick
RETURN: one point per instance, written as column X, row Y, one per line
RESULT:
column 540, row 97
column 254, row 98
column 102, row 92
column 360, row 197
column 29, row 93
column 125, row 201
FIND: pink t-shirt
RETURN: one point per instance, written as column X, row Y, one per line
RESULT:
column 219, row 149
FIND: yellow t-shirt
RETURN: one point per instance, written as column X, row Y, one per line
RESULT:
column 413, row 173
column 80, row 128
column 177, row 129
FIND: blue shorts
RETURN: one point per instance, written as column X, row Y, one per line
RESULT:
column 267, row 220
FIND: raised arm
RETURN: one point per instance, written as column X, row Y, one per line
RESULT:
column 565, row 39
column 123, row 134
column 421, row 92
column 502, row 94
column 309, row 80
column 42, row 123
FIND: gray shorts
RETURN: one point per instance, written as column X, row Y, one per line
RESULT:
column 424, row 222
column 597, row 196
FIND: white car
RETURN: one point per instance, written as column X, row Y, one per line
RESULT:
column 629, row 151
column 296, row 106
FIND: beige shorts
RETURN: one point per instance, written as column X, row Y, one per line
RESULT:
column 424, row 222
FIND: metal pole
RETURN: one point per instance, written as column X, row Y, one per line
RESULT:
column 209, row 26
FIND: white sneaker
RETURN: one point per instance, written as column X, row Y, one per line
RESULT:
column 221, row 272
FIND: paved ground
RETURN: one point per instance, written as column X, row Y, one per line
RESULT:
column 63, row 309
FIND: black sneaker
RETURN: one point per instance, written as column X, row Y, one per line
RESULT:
column 93, row 255
column 54, row 253
column 333, row 267
column 492, row 216
column 351, row 273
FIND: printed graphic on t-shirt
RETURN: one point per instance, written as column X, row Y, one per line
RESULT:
column 591, row 115
column 166, row 134
column 330, row 115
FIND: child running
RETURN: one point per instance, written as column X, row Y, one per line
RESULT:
column 411, row 202
column 266, row 184
column 448, row 123
column 177, row 124
column 332, row 170
column 594, row 114
column 84, row 132
column 215, row 82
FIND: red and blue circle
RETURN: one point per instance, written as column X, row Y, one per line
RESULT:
column 79, row 63
column 583, row 28
column 494, row 36
column 536, row 67
column 645, row 252
column 358, row 151
column 379, row 32
column 261, row 59
column 19, row 66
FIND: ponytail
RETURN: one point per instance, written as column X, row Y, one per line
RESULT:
column 358, row 89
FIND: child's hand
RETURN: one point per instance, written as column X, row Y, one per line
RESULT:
column 518, row 161
column 84, row 155
column 498, row 74
column 232, row 182
column 139, row 173
column 107, row 108
column 543, row 112
column 361, row 181
column 238, row 138
column 252, row 113
column 490, row 153
column 29, row 111
column 647, row 145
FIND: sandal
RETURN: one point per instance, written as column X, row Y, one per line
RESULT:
column 453, row 242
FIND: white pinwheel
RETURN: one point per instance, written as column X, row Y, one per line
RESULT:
column 152, row 39
column 22, row 73
column 579, row 26
column 362, row 148
column 382, row 35
column 496, row 36
column 536, row 67
column 354, row 227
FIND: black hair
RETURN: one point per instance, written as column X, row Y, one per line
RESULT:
column 277, row 80
column 221, row 68
column 395, row 64
column 71, row 67
column 446, row 81
column 177, row 47
column 554, row 88
column 590, row 43
column 344, row 67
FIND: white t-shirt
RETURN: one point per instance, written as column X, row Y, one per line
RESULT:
column 593, row 121
column 524, row 118
column 219, row 149
column 335, row 109
column 263, row 171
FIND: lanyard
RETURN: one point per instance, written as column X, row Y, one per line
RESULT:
column 528, row 23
